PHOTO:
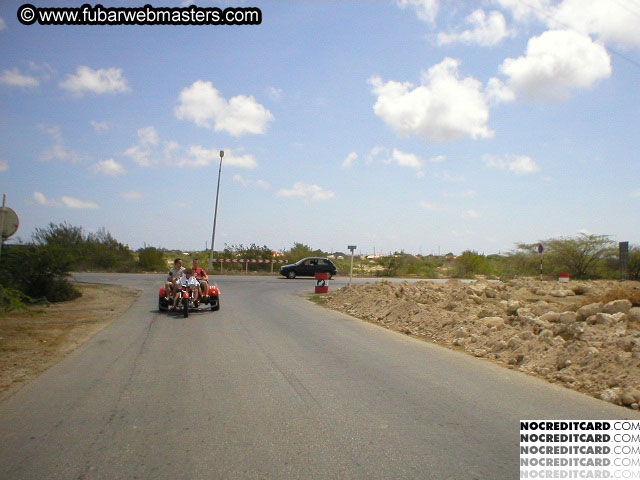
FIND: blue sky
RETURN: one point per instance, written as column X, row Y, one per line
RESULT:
column 416, row 125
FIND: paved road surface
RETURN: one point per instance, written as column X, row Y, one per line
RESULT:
column 270, row 387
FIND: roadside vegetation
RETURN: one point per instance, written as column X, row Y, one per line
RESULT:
column 39, row 269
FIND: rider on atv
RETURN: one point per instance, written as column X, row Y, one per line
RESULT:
column 189, row 281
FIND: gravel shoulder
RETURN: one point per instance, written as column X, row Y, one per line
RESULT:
column 33, row 340
column 582, row 335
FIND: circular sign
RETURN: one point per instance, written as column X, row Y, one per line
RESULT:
column 8, row 222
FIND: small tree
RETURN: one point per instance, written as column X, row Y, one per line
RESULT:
column 471, row 263
column 580, row 256
column 634, row 262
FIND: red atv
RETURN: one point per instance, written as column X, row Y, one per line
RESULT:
column 188, row 300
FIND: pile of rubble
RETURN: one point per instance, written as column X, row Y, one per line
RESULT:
column 583, row 335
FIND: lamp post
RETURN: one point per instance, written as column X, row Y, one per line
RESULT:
column 215, row 213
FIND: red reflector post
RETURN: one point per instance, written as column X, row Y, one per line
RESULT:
column 321, row 282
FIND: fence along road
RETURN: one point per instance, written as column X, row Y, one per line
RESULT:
column 271, row 386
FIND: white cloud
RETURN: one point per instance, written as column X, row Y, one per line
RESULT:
column 202, row 104
column 375, row 153
column 497, row 92
column 151, row 150
column 99, row 126
column 438, row 159
column 246, row 182
column 635, row 193
column 3, row 24
column 198, row 156
column 487, row 30
column 58, row 150
column 132, row 195
column 442, row 108
column 405, row 159
column 556, row 62
column 471, row 214
column 4, row 165
column 447, row 177
column 275, row 94
column 464, row 194
column 613, row 22
column 518, row 164
column 427, row 10
column 308, row 192
column 88, row 80
column 64, row 201
column 42, row 200
column 348, row 161
column 143, row 152
column 76, row 203
column 108, row 167
column 14, row 78
column 432, row 206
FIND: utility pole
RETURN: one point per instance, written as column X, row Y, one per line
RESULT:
column 215, row 213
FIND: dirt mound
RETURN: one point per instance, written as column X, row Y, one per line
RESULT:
column 584, row 335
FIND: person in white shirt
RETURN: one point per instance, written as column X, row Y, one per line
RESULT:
column 175, row 273
column 188, row 280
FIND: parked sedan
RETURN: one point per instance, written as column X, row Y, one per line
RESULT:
column 309, row 267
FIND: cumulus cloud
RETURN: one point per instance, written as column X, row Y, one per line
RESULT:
column 497, row 92
column 4, row 165
column 432, row 206
column 487, row 30
column 99, row 126
column 275, row 94
column 151, row 150
column 405, row 159
column 108, row 167
column 426, row 10
column 200, row 156
column 88, row 80
column 306, row 191
column 444, row 107
column 58, row 150
column 247, row 182
column 376, row 152
column 14, row 78
column 64, row 201
column 348, row 161
column 613, row 22
column 556, row 62
column 202, row 104
column 518, row 164
column 132, row 195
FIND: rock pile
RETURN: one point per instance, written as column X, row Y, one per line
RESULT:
column 572, row 335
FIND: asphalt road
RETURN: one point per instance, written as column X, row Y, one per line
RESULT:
column 271, row 386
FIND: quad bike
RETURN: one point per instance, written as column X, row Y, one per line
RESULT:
column 188, row 299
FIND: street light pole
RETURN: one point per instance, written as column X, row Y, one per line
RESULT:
column 215, row 213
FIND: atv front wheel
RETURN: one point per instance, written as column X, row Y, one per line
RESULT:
column 185, row 307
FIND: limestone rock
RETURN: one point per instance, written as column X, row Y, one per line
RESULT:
column 617, row 306
column 588, row 310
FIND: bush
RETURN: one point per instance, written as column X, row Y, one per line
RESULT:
column 470, row 264
column 151, row 259
column 12, row 299
column 38, row 271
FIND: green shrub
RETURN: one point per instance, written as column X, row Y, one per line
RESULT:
column 151, row 259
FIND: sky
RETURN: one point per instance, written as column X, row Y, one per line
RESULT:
column 424, row 126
